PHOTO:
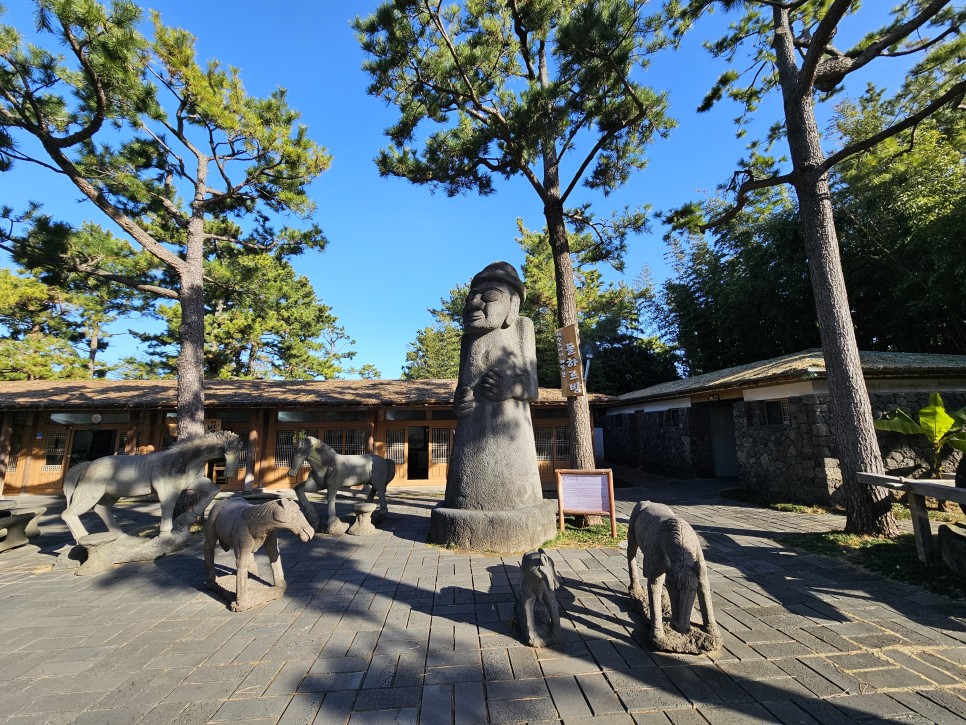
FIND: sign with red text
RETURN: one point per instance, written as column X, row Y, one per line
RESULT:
column 586, row 492
column 571, row 368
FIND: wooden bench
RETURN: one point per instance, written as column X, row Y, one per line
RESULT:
column 918, row 489
column 20, row 525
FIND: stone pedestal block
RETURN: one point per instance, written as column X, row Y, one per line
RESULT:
column 363, row 523
column 505, row 532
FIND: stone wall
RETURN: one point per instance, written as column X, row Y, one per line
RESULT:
column 792, row 461
column 664, row 443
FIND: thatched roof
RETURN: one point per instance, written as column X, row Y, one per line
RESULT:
column 803, row 366
column 66, row 394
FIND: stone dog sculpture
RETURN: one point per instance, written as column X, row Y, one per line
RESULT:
column 243, row 527
column 539, row 584
column 331, row 471
column 672, row 558
column 100, row 483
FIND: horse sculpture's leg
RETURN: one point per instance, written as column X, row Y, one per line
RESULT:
column 308, row 508
column 655, row 592
column 103, row 509
column 333, row 524
column 211, row 541
column 82, row 501
column 635, row 586
column 242, row 563
column 275, row 557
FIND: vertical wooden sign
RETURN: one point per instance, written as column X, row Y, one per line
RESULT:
column 571, row 368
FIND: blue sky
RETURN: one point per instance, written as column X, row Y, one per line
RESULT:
column 395, row 248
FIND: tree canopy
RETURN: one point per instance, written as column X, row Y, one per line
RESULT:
column 546, row 91
column 171, row 150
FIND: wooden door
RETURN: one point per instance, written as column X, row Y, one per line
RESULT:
column 49, row 460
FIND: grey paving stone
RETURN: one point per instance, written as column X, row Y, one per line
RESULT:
column 388, row 698
column 816, row 683
column 496, row 664
column 862, row 707
column 252, row 709
column 737, row 713
column 437, row 706
column 927, row 708
column 395, row 716
column 325, row 681
column 599, row 694
column 517, row 689
column 502, row 711
column 524, row 663
column 653, row 699
column 788, row 713
column 687, row 680
column 302, row 708
column 469, row 703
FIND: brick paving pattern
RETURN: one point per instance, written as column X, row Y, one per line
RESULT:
column 387, row 628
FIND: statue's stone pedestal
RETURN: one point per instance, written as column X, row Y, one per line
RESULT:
column 504, row 532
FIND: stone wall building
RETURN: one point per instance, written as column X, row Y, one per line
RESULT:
column 767, row 424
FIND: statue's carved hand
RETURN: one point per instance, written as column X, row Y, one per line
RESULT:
column 500, row 386
column 464, row 401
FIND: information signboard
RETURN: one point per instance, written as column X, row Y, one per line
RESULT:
column 587, row 492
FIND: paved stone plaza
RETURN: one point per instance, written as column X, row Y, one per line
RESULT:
column 389, row 629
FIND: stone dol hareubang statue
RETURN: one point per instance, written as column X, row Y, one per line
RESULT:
column 538, row 585
column 242, row 527
column 99, row 484
column 331, row 471
column 673, row 559
column 494, row 498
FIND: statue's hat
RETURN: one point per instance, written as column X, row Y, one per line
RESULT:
column 504, row 273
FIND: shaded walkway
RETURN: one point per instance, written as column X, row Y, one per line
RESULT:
column 390, row 629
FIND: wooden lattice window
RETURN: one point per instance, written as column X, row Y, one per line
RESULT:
column 55, row 447
column 396, row 445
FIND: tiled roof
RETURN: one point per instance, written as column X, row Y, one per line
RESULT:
column 801, row 366
column 240, row 393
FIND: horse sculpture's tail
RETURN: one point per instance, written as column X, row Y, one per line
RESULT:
column 390, row 470
column 72, row 478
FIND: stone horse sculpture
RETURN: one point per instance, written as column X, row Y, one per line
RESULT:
column 672, row 558
column 100, row 483
column 243, row 527
column 331, row 471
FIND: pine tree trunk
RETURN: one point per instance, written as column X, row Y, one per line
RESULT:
column 868, row 510
column 578, row 409
column 191, row 360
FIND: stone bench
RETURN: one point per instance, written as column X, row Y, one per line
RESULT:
column 918, row 489
column 21, row 525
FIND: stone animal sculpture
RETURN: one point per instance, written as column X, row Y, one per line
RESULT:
column 236, row 524
column 539, row 583
column 331, row 471
column 100, row 483
column 672, row 558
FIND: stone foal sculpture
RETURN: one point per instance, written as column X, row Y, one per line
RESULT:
column 494, row 499
column 538, row 585
column 236, row 524
column 673, row 559
column 331, row 471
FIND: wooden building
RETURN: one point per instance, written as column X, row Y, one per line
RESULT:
column 47, row 426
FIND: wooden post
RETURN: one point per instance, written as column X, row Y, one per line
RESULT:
column 925, row 546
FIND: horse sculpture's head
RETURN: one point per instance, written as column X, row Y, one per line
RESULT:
column 289, row 516
column 233, row 450
column 301, row 453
